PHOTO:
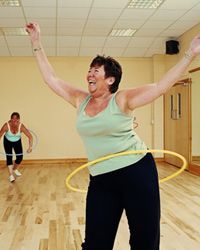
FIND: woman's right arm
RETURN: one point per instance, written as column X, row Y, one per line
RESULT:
column 71, row 94
column 3, row 130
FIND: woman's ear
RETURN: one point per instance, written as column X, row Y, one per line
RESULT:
column 111, row 80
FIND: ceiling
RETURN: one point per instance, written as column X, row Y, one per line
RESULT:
column 82, row 27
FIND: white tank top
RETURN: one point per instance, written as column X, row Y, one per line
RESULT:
column 13, row 137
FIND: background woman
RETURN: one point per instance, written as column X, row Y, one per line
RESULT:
column 12, row 141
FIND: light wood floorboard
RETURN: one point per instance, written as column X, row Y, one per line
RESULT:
column 37, row 212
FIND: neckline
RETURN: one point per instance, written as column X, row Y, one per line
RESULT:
column 17, row 132
column 99, row 113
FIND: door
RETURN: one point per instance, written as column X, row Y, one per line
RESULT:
column 177, row 136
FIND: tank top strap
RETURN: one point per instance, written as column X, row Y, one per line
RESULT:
column 19, row 129
column 8, row 126
column 84, row 103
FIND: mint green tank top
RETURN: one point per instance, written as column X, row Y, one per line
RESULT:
column 108, row 132
column 13, row 137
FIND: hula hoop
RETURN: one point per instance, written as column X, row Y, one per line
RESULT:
column 69, row 177
column 35, row 144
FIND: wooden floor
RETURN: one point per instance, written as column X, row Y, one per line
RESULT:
column 37, row 212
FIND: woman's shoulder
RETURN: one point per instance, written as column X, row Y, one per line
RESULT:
column 121, row 101
column 5, row 127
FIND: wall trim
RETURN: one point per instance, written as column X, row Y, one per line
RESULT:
column 194, row 169
column 59, row 161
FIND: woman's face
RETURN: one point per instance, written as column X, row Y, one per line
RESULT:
column 15, row 120
column 96, row 80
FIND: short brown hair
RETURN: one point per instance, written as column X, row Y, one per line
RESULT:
column 112, row 69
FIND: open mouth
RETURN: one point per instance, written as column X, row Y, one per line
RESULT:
column 91, row 82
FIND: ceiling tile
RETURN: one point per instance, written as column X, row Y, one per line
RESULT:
column 21, row 51
column 179, row 4
column 18, row 41
column 102, row 13
column 8, row 22
column 167, row 15
column 183, row 24
column 44, row 22
column 172, row 32
column 96, row 32
column 8, row 12
column 134, row 52
column 71, row 23
column 79, row 13
column 191, row 15
column 74, row 3
column 113, row 42
column 89, row 41
column 110, row 4
column 90, row 51
column 161, row 24
column 113, row 51
column 67, row 51
column 48, row 41
column 159, row 43
column 125, row 24
column 42, row 12
column 148, row 32
column 141, row 41
column 39, row 3
column 99, row 23
column 68, row 41
column 133, row 14
column 69, row 31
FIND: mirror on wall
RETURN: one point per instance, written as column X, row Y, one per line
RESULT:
column 195, row 116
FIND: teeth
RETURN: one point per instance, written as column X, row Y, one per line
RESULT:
column 91, row 82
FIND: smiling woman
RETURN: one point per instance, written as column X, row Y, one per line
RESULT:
column 105, row 123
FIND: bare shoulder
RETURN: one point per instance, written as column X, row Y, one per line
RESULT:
column 4, row 128
column 81, row 97
column 122, row 101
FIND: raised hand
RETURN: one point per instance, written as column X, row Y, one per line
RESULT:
column 33, row 30
column 195, row 45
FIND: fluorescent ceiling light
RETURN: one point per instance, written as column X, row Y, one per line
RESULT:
column 145, row 4
column 8, row 31
column 9, row 3
column 122, row 32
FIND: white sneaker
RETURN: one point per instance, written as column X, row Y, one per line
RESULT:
column 17, row 173
column 11, row 178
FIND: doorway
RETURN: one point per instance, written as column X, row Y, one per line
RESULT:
column 177, row 112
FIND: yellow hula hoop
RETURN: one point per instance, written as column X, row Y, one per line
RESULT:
column 127, row 153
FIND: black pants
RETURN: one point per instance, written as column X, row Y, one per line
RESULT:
column 8, row 147
column 134, row 188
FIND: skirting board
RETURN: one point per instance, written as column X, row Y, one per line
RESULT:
column 58, row 161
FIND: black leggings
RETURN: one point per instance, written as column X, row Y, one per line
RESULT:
column 134, row 188
column 8, row 147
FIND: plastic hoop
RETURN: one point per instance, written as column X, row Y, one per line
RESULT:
column 69, row 177
column 35, row 144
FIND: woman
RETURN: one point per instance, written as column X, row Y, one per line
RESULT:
column 12, row 140
column 104, row 121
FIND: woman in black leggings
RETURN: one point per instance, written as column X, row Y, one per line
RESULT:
column 12, row 141
column 104, row 121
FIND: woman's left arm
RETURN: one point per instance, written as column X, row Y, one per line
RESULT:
column 30, row 137
column 146, row 94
